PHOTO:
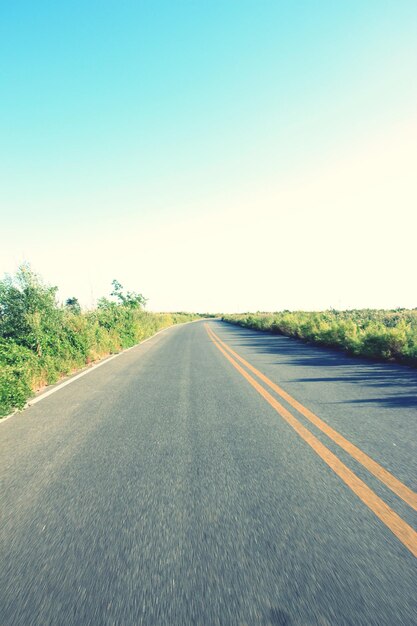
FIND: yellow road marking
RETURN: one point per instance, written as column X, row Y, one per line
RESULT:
column 403, row 531
column 401, row 490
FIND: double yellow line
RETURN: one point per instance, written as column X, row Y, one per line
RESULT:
column 403, row 531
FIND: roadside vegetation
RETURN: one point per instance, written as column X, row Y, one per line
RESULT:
column 41, row 341
column 389, row 335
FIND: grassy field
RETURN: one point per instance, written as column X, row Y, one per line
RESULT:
column 42, row 341
column 390, row 335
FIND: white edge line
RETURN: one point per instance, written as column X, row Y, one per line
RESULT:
column 105, row 360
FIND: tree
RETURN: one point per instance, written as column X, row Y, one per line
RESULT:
column 27, row 308
column 73, row 305
column 130, row 298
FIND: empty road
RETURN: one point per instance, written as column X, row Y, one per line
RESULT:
column 214, row 476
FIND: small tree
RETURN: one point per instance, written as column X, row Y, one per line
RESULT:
column 73, row 305
column 28, row 308
column 130, row 298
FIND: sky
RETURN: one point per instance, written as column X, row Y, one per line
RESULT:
column 215, row 156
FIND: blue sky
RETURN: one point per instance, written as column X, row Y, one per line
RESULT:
column 204, row 144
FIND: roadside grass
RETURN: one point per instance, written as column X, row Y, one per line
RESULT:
column 42, row 341
column 389, row 335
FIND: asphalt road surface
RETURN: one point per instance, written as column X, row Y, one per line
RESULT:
column 179, row 485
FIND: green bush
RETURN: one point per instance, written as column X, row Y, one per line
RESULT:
column 19, row 368
column 381, row 334
column 41, row 341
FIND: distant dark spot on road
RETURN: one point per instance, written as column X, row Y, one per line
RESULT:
column 278, row 617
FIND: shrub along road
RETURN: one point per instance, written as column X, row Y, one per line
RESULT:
column 178, row 484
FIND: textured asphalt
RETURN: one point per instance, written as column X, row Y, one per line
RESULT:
column 162, row 489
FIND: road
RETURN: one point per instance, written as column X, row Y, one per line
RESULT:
column 175, row 485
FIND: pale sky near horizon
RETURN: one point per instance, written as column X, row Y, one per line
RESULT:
column 214, row 156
